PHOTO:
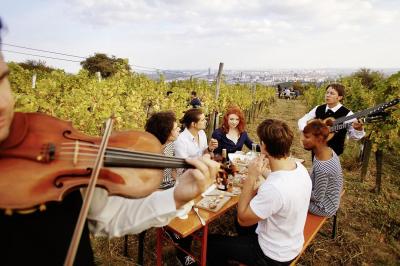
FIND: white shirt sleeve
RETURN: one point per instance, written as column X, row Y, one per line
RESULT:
column 267, row 202
column 307, row 117
column 115, row 216
column 180, row 149
column 351, row 132
column 203, row 140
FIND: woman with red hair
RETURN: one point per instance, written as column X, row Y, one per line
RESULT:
column 232, row 135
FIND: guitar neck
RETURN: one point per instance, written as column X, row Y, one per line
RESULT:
column 338, row 127
column 339, row 124
column 358, row 114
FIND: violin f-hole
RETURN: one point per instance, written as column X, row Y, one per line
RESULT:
column 58, row 181
column 66, row 134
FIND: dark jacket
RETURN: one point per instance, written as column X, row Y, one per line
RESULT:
column 229, row 145
column 43, row 237
column 337, row 142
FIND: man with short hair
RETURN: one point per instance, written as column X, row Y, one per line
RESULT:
column 279, row 206
column 333, row 108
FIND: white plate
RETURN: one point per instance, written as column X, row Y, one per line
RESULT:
column 238, row 159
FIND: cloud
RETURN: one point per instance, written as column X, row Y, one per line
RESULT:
column 246, row 18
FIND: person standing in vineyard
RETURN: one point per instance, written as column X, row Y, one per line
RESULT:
column 326, row 175
column 194, row 100
column 43, row 237
column 333, row 108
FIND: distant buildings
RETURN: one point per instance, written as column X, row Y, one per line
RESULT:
column 270, row 77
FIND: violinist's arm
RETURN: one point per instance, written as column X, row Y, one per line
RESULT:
column 116, row 216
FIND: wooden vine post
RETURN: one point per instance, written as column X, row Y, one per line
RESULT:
column 214, row 114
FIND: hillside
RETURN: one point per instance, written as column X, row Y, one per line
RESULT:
column 369, row 223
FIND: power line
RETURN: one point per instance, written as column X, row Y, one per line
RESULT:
column 40, row 50
column 144, row 68
column 41, row 56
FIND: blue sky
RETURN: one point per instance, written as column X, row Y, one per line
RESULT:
column 198, row 34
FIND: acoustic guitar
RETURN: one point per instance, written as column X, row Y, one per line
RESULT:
column 369, row 115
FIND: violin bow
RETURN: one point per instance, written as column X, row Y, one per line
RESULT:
column 73, row 248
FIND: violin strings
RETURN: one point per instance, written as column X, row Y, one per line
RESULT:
column 136, row 157
column 122, row 156
column 118, row 155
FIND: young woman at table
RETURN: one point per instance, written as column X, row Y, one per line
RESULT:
column 192, row 142
column 232, row 135
column 163, row 125
column 326, row 175
column 279, row 206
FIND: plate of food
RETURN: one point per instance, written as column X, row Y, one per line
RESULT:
column 238, row 159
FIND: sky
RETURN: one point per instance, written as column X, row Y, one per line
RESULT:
column 198, row 34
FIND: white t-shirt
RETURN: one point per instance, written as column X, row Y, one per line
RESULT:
column 282, row 202
column 187, row 147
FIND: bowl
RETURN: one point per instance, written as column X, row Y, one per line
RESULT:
column 238, row 159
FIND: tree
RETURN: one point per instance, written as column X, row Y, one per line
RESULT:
column 368, row 78
column 36, row 65
column 107, row 66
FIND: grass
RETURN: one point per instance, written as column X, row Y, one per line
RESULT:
column 369, row 223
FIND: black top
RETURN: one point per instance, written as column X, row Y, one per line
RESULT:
column 43, row 238
column 229, row 145
column 195, row 102
column 337, row 142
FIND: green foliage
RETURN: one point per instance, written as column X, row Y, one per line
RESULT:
column 368, row 78
column 314, row 96
column 130, row 97
column 107, row 66
column 38, row 66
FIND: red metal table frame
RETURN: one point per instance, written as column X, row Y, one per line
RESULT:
column 190, row 226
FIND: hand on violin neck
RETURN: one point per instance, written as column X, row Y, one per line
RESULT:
column 193, row 182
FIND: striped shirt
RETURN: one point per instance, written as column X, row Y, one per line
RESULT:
column 168, row 180
column 327, row 184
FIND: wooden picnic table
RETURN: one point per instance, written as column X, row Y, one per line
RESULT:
column 186, row 227
column 191, row 225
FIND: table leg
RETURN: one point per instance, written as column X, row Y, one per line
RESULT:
column 141, row 247
column 160, row 235
column 203, row 254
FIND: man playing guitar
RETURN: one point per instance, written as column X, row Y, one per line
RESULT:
column 334, row 109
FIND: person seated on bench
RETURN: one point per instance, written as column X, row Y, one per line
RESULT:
column 326, row 175
column 279, row 206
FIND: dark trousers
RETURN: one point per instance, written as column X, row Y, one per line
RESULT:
column 244, row 249
column 245, row 230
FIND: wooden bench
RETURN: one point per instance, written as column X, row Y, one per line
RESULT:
column 311, row 228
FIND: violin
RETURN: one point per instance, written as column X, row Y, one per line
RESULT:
column 44, row 158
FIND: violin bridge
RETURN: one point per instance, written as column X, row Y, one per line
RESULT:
column 76, row 152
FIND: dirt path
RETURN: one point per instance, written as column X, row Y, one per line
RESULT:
column 289, row 111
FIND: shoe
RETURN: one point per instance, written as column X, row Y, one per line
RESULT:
column 186, row 260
